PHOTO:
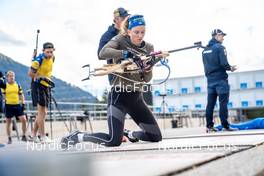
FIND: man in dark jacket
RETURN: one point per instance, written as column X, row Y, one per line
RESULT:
column 119, row 15
column 215, row 67
column 2, row 86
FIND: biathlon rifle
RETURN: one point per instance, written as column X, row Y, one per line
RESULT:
column 130, row 65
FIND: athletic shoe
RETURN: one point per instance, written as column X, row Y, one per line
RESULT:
column 24, row 138
column 211, row 130
column 70, row 140
column 45, row 139
column 128, row 134
column 35, row 139
column 229, row 129
column 9, row 140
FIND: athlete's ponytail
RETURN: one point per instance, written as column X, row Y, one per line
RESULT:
column 124, row 27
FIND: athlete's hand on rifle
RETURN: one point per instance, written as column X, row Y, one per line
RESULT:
column 233, row 68
column 129, row 55
column 148, row 68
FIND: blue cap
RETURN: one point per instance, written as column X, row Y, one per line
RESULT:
column 218, row 32
column 121, row 12
column 136, row 20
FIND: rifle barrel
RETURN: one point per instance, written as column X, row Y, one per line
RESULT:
column 185, row 48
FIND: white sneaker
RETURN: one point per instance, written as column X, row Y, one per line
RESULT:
column 46, row 139
column 35, row 139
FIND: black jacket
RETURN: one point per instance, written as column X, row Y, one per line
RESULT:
column 3, row 86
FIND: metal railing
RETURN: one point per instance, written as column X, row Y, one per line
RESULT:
column 98, row 111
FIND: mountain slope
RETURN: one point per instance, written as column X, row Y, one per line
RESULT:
column 62, row 92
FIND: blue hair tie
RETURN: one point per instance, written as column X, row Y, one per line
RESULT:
column 136, row 20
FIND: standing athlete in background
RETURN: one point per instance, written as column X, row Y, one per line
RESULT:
column 14, row 104
column 41, row 70
column 119, row 16
column 215, row 67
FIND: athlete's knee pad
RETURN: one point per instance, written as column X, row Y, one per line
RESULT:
column 155, row 137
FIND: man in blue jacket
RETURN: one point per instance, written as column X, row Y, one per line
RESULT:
column 119, row 16
column 215, row 67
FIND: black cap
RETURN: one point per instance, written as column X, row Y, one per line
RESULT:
column 121, row 12
column 218, row 32
column 48, row 45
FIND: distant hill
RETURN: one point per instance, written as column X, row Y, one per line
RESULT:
column 63, row 90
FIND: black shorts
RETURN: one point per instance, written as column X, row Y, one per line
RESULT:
column 1, row 103
column 13, row 111
column 40, row 94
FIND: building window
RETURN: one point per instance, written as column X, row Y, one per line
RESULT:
column 184, row 90
column 156, row 92
column 230, row 105
column 243, row 85
column 157, row 109
column 244, row 103
column 259, row 103
column 169, row 91
column 197, row 89
column 171, row 109
column 185, row 107
column 198, row 106
column 259, row 84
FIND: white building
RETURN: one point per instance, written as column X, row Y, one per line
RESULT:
column 247, row 91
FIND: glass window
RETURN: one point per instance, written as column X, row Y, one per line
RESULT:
column 258, row 84
column 157, row 109
column 197, row 89
column 244, row 103
column 243, row 85
column 156, row 92
column 230, row 105
column 259, row 103
column 185, row 107
column 198, row 106
column 171, row 109
column 169, row 91
column 184, row 90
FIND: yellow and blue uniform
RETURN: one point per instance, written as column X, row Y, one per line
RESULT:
column 12, row 93
column 12, row 101
column 42, row 66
